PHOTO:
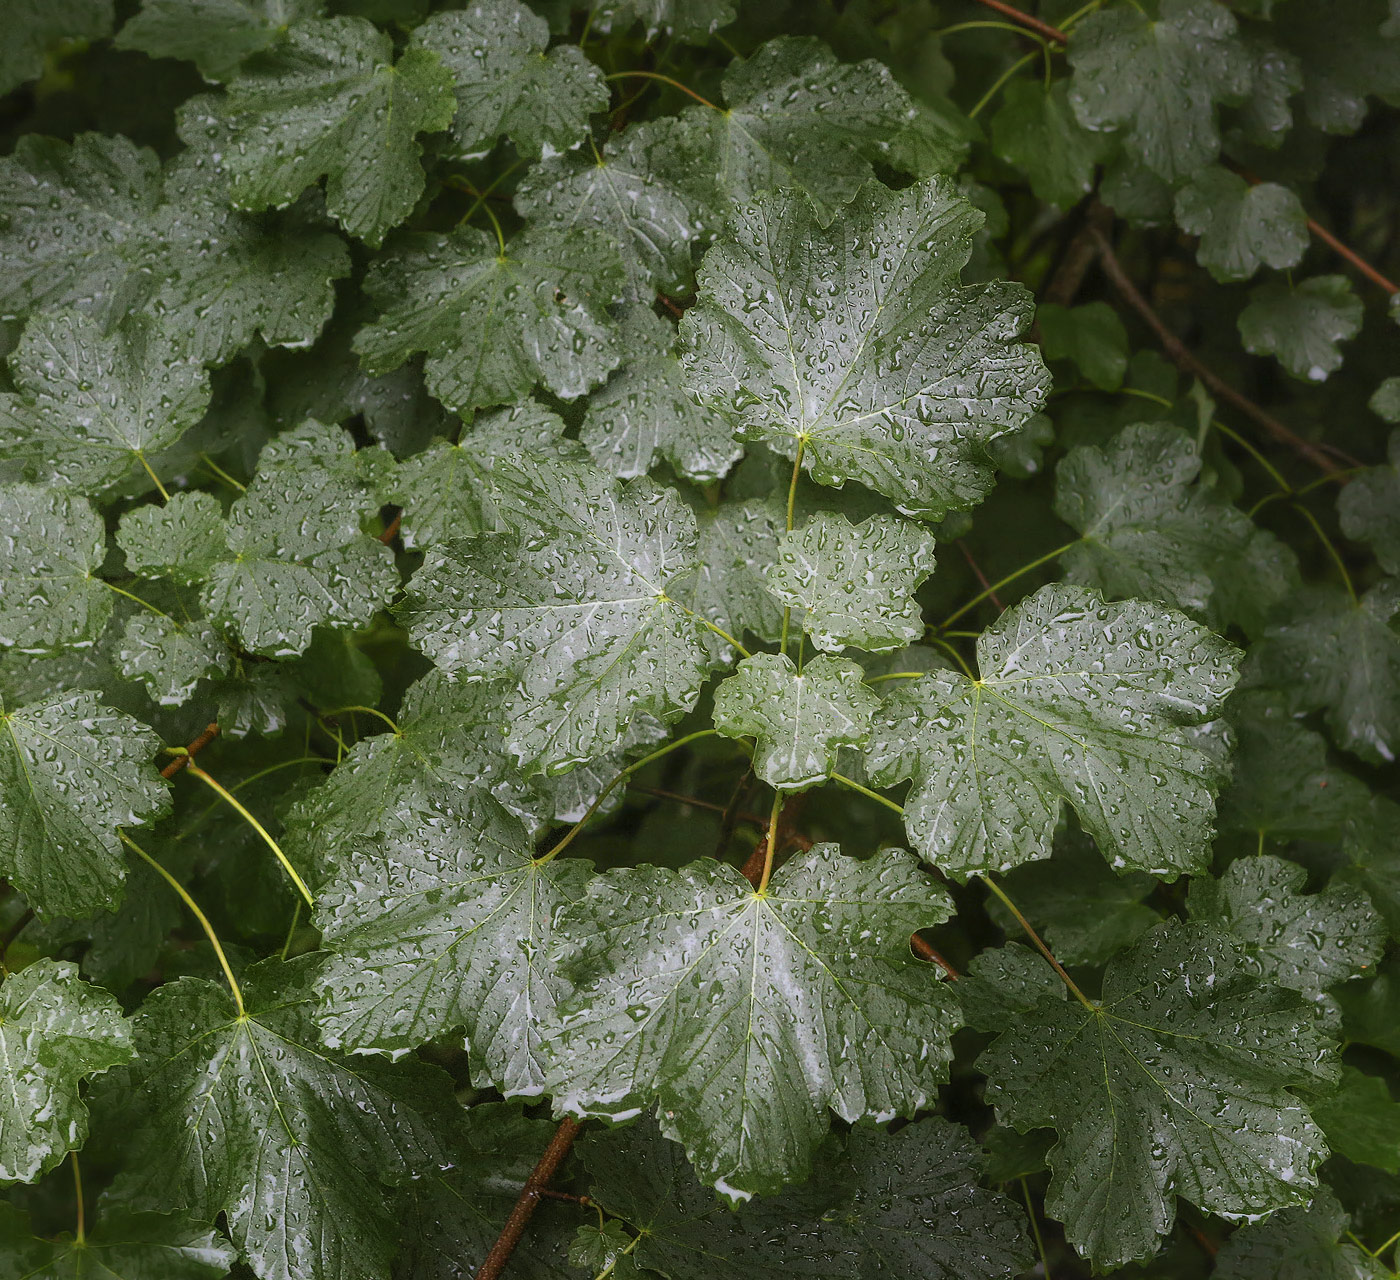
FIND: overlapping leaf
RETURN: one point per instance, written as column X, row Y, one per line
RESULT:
column 1147, row 530
column 855, row 345
column 1297, row 1244
column 1242, row 227
column 92, row 406
column 289, row 557
column 439, row 918
column 1302, row 324
column 507, row 82
column 1307, row 942
column 292, row 1140
column 1108, row 706
column 122, row 1246
column 73, row 771
column 493, row 320
column 1178, row 1083
column 732, row 1011
column 575, row 604
column 643, row 414
column 55, row 1031
column 801, row 719
column 854, row 584
column 216, row 35
column 328, row 102
column 1158, row 79
column 1369, row 508
column 51, row 547
column 33, row 27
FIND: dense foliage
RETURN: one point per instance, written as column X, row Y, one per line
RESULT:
column 760, row 635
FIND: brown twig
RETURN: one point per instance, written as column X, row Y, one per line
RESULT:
column 392, row 531
column 1188, row 363
column 1352, row 257
column 1068, row 276
column 980, row 576
column 671, row 305
column 530, row 1196
column 787, row 834
column 662, row 794
column 179, row 762
column 1031, row 23
column 926, row 952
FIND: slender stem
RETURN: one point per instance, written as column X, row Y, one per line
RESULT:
column 611, row 1268
column 495, row 1261
column 710, row 626
column 198, row 915
column 1381, row 1248
column 155, row 479
column 954, row 654
column 1001, row 81
column 573, row 831
column 791, row 508
column 495, row 226
column 145, row 604
column 369, row 711
column 1039, row 944
column 895, row 675
column 694, row 802
column 292, row 929
column 221, row 473
column 1274, row 474
column 1330, row 545
column 866, row 791
column 1010, row 577
column 244, row 782
column 1352, row 257
column 656, row 75
column 81, row 1233
column 771, row 846
column 1035, row 1229
column 926, row 952
column 1014, row 28
column 236, row 804
column 977, row 572
column 1336, row 476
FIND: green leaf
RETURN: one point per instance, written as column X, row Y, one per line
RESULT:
column 1176, row 1084
column 494, row 323
column 438, row 918
column 575, row 605
column 292, row 1139
column 905, row 1203
column 1369, row 508
column 1149, row 529
column 903, row 375
column 51, row 547
column 129, row 235
column 1107, row 706
column 1092, row 336
column 801, row 719
column 1348, row 50
column 1342, row 657
column 55, row 1030
column 216, row 35
column 122, row 1246
column 326, row 102
column 855, row 584
column 222, row 278
column 1157, row 80
column 94, row 406
column 796, row 116
column 34, row 27
column 1242, row 226
column 647, row 191
column 687, row 20
column 643, row 414
column 1302, row 324
column 508, row 82
column 735, row 547
column 171, row 657
column 1385, row 401
column 1282, row 786
column 71, row 772
column 1307, row 942
column 1004, row 981
column 1362, row 1121
column 289, row 557
column 1035, row 131
column 1297, row 1244
column 447, row 490
column 733, row 1012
